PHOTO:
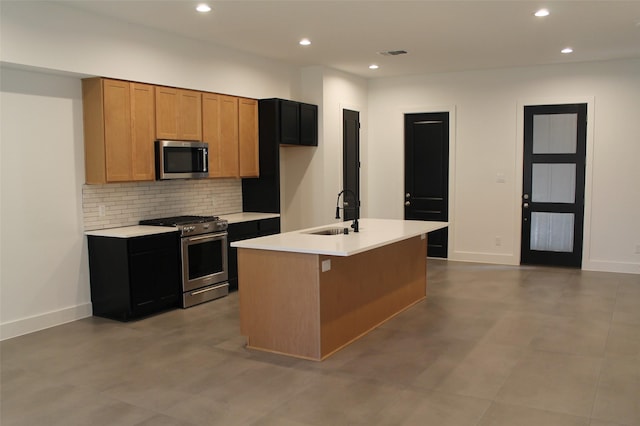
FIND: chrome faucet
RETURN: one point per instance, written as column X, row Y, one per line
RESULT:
column 345, row 205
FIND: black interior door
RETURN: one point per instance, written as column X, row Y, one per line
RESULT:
column 351, row 159
column 553, row 184
column 426, row 195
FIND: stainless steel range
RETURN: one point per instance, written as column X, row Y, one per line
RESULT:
column 204, row 256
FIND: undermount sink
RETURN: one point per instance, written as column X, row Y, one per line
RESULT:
column 327, row 231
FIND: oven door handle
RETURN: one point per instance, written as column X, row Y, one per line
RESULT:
column 206, row 237
column 204, row 290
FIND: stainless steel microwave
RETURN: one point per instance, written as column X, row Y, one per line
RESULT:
column 181, row 160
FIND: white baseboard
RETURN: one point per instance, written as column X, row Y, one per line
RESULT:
column 495, row 258
column 611, row 266
column 507, row 259
column 40, row 322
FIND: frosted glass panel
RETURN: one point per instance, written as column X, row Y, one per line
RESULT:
column 552, row 231
column 553, row 183
column 555, row 133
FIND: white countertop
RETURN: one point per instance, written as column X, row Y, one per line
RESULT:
column 131, row 231
column 247, row 216
column 373, row 233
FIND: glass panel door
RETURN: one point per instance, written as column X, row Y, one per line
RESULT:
column 553, row 184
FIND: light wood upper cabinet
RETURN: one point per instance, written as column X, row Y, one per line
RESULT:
column 230, row 127
column 218, row 118
column 143, row 130
column 122, row 120
column 118, row 130
column 229, row 136
column 178, row 114
column 248, row 137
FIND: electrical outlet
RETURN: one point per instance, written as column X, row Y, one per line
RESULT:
column 637, row 248
column 498, row 241
column 102, row 210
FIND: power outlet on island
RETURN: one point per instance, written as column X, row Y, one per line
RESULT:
column 326, row 265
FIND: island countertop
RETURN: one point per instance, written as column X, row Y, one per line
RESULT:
column 373, row 233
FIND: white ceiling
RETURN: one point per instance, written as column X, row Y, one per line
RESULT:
column 440, row 36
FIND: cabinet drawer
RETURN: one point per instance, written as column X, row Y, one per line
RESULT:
column 153, row 242
column 269, row 226
column 243, row 230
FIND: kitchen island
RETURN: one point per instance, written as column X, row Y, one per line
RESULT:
column 309, row 293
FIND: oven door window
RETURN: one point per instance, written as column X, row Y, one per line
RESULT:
column 205, row 258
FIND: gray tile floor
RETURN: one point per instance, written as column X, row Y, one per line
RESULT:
column 492, row 345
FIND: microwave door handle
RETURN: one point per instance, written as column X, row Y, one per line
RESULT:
column 205, row 159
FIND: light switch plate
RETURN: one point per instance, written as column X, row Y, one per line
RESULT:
column 326, row 265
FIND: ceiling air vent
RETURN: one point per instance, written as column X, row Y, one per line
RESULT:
column 393, row 52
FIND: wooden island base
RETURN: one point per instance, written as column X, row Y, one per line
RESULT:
column 289, row 306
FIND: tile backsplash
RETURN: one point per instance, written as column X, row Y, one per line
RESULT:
column 124, row 204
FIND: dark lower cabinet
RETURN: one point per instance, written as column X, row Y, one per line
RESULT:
column 243, row 231
column 134, row 277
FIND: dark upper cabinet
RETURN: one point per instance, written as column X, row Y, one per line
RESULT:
column 308, row 124
column 289, row 122
column 281, row 122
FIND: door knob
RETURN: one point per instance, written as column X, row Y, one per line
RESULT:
column 407, row 195
column 407, row 203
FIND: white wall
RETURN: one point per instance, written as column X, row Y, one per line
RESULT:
column 487, row 138
column 44, row 278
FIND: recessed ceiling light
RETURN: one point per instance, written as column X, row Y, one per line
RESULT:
column 203, row 8
column 393, row 52
column 567, row 50
column 305, row 42
column 373, row 67
column 542, row 12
